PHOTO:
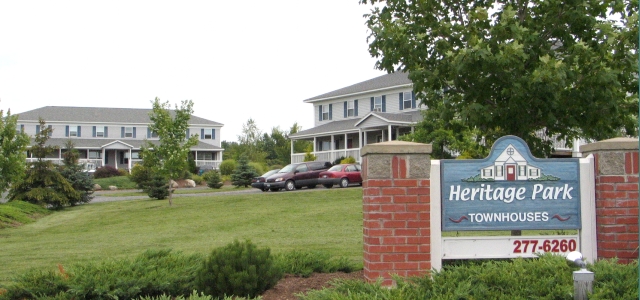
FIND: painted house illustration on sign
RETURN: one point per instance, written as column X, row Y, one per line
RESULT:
column 510, row 166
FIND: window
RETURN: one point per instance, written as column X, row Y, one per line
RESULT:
column 302, row 168
column 351, row 169
column 379, row 139
column 325, row 112
column 534, row 172
column 522, row 170
column 205, row 155
column 325, row 146
column 487, row 172
column 99, row 131
column 135, row 155
column 73, row 130
column 153, row 134
column 499, row 171
column 407, row 100
column 208, row 134
column 350, row 109
column 95, row 154
column 128, row 132
column 377, row 104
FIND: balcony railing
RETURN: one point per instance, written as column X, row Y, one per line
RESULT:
column 328, row 155
column 59, row 161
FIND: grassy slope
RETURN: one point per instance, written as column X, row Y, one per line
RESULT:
column 327, row 220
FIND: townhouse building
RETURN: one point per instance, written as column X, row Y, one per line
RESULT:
column 113, row 136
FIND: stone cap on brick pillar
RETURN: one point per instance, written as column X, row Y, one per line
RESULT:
column 396, row 147
column 619, row 143
column 396, row 159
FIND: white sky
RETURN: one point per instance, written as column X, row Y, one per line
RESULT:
column 235, row 59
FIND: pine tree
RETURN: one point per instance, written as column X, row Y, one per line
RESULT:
column 73, row 172
column 243, row 173
column 43, row 184
column 214, row 181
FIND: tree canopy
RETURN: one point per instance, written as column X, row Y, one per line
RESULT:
column 565, row 69
column 13, row 146
column 171, row 153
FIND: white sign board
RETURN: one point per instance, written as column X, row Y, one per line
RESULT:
column 506, row 246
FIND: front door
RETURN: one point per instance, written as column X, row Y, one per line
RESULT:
column 511, row 172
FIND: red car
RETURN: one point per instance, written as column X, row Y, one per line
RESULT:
column 343, row 175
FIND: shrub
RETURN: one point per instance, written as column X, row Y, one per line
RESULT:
column 227, row 166
column 158, row 187
column 304, row 263
column 105, row 172
column 244, row 173
column 260, row 168
column 338, row 160
column 348, row 160
column 197, row 179
column 214, row 181
column 36, row 283
column 239, row 269
column 308, row 156
column 141, row 176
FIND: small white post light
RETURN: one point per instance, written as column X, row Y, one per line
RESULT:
column 582, row 279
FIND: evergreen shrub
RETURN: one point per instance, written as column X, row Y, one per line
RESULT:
column 304, row 263
column 338, row 160
column 244, row 173
column 105, row 172
column 158, row 187
column 214, row 180
column 239, row 269
column 141, row 176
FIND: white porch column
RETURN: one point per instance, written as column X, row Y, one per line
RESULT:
column 389, row 132
column 87, row 154
column 103, row 156
column 397, row 133
column 129, row 160
column 314, row 144
column 364, row 142
column 360, row 138
column 291, row 147
column 332, row 155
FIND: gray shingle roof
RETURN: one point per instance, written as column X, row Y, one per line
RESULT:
column 378, row 83
column 98, row 114
column 350, row 125
column 99, row 143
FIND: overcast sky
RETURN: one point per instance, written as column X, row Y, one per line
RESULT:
column 235, row 59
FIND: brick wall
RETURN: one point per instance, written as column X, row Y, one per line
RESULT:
column 396, row 223
column 616, row 187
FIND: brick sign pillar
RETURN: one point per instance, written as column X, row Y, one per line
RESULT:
column 616, row 189
column 396, row 226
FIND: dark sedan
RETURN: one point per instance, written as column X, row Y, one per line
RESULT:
column 258, row 182
column 343, row 175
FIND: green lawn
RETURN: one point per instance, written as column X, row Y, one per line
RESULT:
column 327, row 220
column 226, row 188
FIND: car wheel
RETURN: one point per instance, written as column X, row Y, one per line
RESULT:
column 274, row 189
column 264, row 190
column 328, row 185
column 289, row 185
column 344, row 182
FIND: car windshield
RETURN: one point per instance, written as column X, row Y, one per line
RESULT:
column 336, row 168
column 269, row 173
column 287, row 169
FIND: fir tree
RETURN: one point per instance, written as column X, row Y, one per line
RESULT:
column 243, row 173
column 43, row 184
column 214, row 181
column 73, row 172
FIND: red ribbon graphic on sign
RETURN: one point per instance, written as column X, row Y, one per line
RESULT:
column 561, row 219
column 459, row 220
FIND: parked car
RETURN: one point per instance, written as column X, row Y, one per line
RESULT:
column 343, row 175
column 258, row 182
column 295, row 176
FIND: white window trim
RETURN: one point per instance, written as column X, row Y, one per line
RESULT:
column 351, row 108
column 72, row 132
column 128, row 132
column 377, row 106
column 407, row 100
column 325, row 112
column 99, row 131
column 209, row 133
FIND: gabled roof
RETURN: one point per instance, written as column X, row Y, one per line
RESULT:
column 379, row 83
column 102, row 115
column 409, row 117
column 331, row 127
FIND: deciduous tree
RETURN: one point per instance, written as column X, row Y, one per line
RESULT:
column 565, row 68
column 172, row 151
column 13, row 146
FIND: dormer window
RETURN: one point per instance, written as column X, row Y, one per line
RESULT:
column 377, row 104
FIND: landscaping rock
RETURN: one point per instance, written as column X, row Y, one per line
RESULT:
column 189, row 183
column 113, row 187
column 97, row 187
column 174, row 184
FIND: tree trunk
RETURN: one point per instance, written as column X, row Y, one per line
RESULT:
column 170, row 191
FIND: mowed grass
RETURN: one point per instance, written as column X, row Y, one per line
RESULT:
column 180, row 191
column 322, row 220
